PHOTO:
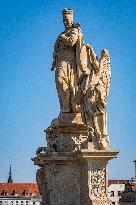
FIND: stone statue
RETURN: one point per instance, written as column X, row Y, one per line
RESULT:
column 73, row 166
column 67, row 63
column 82, row 81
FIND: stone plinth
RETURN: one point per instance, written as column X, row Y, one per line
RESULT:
column 74, row 178
column 67, row 134
column 71, row 172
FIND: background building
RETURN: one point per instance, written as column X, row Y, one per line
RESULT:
column 122, row 191
column 19, row 193
column 128, row 196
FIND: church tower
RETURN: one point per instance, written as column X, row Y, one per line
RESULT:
column 10, row 180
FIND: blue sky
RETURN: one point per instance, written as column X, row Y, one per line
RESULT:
column 28, row 97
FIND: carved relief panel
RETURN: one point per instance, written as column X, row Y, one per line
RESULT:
column 68, row 190
column 97, row 171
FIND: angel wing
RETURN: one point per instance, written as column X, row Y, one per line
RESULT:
column 104, row 68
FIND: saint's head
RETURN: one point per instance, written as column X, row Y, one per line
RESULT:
column 67, row 17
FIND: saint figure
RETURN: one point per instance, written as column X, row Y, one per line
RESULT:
column 67, row 63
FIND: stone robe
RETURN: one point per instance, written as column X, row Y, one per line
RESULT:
column 66, row 61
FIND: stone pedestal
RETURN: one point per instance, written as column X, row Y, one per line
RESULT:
column 71, row 172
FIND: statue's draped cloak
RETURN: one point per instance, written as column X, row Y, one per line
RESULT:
column 68, row 68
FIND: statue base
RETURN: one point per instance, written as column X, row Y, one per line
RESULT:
column 71, row 172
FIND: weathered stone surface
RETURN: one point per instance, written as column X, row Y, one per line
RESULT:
column 82, row 81
column 67, row 134
column 73, row 166
column 94, row 102
column 74, row 178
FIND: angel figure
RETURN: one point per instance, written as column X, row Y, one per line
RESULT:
column 94, row 89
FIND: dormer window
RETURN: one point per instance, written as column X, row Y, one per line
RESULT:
column 14, row 193
column 25, row 193
column 5, row 193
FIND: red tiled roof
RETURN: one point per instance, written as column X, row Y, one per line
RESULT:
column 117, row 182
column 32, row 188
column 20, row 189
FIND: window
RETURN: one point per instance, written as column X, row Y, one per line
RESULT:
column 112, row 193
column 119, row 193
column 14, row 193
column 25, row 193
